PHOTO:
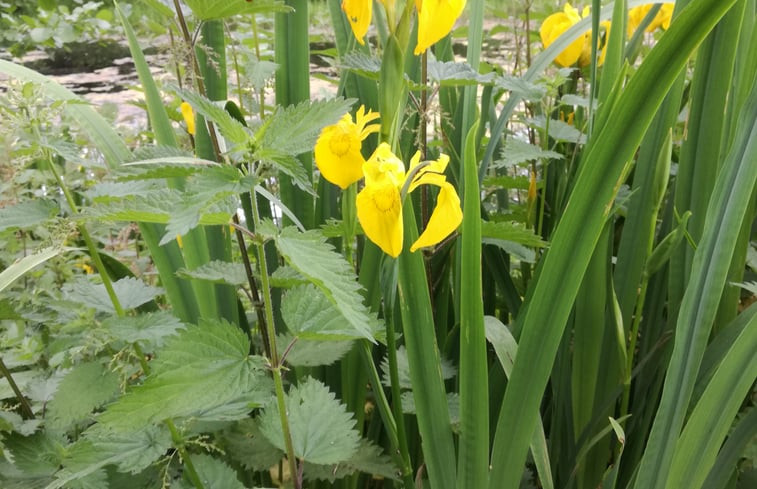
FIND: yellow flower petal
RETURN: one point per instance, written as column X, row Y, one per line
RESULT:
column 431, row 174
column 384, row 166
column 337, row 153
column 379, row 211
column 359, row 14
column 552, row 27
column 189, row 117
column 435, row 20
column 446, row 217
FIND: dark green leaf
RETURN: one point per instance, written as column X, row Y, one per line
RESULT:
column 511, row 231
column 308, row 313
column 215, row 474
column 246, row 445
column 204, row 367
column 309, row 254
column 322, row 430
column 368, row 459
column 311, row 353
column 86, row 387
column 517, row 151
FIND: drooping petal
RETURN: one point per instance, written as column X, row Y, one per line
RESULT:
column 337, row 153
column 446, row 217
column 379, row 211
column 435, row 20
column 431, row 174
column 359, row 14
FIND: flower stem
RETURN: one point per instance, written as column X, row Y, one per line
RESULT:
column 178, row 442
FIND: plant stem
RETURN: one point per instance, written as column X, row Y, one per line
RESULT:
column 188, row 465
column 274, row 358
column 26, row 409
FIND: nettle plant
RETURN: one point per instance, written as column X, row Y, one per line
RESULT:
column 386, row 288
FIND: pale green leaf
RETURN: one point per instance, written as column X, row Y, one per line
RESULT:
column 451, row 73
column 131, row 293
column 558, row 130
column 368, row 459
column 286, row 163
column 308, row 313
column 214, row 473
column 307, row 352
column 246, row 445
column 750, row 287
column 130, row 452
column 453, row 404
column 27, row 214
column 512, row 231
column 86, row 387
column 287, row 277
column 309, row 254
column 203, row 367
column 152, row 328
column 294, row 129
column 361, row 63
column 322, row 430
column 217, row 271
column 523, row 88
column 517, row 152
column 104, row 191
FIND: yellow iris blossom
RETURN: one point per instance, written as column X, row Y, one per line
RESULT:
column 337, row 151
column 379, row 204
column 189, row 117
column 435, row 18
column 579, row 51
column 662, row 19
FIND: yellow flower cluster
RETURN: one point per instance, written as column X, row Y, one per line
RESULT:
column 435, row 18
column 579, row 51
column 379, row 203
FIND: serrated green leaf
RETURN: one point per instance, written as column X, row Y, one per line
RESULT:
column 219, row 9
column 308, row 313
column 517, row 151
column 98, row 447
column 452, row 73
column 105, row 191
column 512, row 231
column 573, row 99
column 8, row 311
column 246, row 445
column 750, row 287
column 403, row 370
column 86, row 387
column 230, row 128
column 38, row 455
column 521, row 182
column 10, row 421
column 287, row 164
column 27, row 214
column 215, row 474
column 203, row 367
column 286, row 277
column 164, row 167
column 321, row 428
column 361, row 63
column 217, row 271
column 309, row 254
column 312, row 353
column 152, row 328
column 558, row 130
column 294, row 129
column 22, row 378
column 368, row 459
column 131, row 293
column 521, row 87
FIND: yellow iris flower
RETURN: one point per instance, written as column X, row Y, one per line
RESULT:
column 379, row 204
column 337, row 150
column 435, row 18
column 662, row 19
column 579, row 51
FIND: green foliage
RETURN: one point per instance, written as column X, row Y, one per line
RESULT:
column 131, row 292
column 310, row 255
column 202, row 368
column 86, row 387
column 322, row 429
